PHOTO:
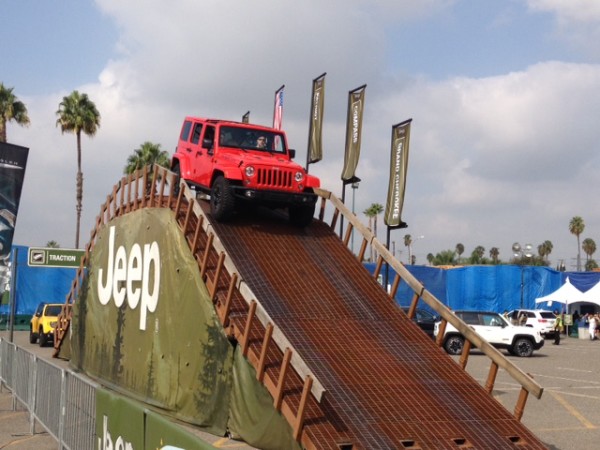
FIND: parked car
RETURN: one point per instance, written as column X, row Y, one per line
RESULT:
column 43, row 323
column 539, row 319
column 498, row 331
column 424, row 319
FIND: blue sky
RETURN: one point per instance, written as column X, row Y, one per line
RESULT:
column 503, row 96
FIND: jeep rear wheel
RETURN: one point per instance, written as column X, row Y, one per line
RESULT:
column 454, row 345
column 523, row 347
column 222, row 202
column 301, row 215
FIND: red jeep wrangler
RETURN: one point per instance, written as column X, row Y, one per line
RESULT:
column 237, row 163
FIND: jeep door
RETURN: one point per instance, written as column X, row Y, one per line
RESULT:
column 198, row 156
column 493, row 329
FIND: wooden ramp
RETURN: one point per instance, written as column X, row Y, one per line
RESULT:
column 345, row 366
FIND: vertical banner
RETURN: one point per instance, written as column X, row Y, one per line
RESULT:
column 246, row 117
column 13, row 160
column 278, row 108
column 398, row 168
column 356, row 102
column 315, row 146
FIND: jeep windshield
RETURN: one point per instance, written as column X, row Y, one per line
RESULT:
column 251, row 139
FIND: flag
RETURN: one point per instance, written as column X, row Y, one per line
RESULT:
column 246, row 117
column 13, row 160
column 398, row 168
column 356, row 101
column 278, row 109
column 315, row 147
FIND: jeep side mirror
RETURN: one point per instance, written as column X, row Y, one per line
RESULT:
column 292, row 153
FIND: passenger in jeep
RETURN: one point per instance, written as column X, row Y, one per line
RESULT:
column 261, row 142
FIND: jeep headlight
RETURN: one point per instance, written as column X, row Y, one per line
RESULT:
column 299, row 177
column 249, row 171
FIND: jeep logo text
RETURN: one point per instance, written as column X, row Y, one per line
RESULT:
column 130, row 276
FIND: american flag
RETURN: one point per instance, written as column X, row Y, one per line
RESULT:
column 278, row 111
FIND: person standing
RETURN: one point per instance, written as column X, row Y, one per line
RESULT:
column 593, row 322
column 558, row 327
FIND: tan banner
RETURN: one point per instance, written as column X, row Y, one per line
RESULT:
column 356, row 102
column 398, row 169
column 315, row 145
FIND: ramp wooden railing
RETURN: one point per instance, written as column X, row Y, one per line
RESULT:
column 472, row 339
column 264, row 345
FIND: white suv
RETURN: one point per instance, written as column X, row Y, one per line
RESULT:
column 539, row 319
column 491, row 326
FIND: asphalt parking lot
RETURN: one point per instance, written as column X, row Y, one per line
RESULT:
column 568, row 414
column 566, row 417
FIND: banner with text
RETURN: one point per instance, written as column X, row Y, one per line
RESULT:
column 398, row 169
column 13, row 160
column 356, row 102
column 315, row 145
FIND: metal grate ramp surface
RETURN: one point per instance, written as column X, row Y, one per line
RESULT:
column 388, row 386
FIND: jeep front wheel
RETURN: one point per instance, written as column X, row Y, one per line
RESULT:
column 222, row 202
column 42, row 338
column 454, row 345
column 32, row 337
column 523, row 347
column 301, row 215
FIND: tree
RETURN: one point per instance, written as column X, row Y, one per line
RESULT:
column 589, row 247
column 11, row 109
column 408, row 243
column 477, row 255
column 494, row 253
column 590, row 265
column 52, row 244
column 430, row 258
column 576, row 227
column 370, row 215
column 372, row 212
column 148, row 153
column 444, row 258
column 460, row 249
column 76, row 114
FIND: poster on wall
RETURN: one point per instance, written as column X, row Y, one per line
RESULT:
column 13, row 160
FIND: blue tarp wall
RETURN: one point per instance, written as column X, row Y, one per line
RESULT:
column 37, row 284
column 490, row 288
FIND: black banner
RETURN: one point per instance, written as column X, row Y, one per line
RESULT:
column 398, row 168
column 13, row 160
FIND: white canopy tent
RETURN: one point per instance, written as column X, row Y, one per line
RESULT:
column 592, row 295
column 567, row 294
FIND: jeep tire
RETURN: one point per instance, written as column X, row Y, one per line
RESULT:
column 523, row 347
column 32, row 337
column 301, row 215
column 222, row 201
column 42, row 338
column 454, row 345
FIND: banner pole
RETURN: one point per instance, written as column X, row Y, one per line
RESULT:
column 342, row 218
column 387, row 266
column 13, row 294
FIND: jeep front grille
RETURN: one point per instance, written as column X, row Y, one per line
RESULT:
column 274, row 178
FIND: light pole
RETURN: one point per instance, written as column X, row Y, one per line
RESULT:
column 354, row 188
column 522, row 252
column 410, row 258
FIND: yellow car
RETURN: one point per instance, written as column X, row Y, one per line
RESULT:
column 44, row 322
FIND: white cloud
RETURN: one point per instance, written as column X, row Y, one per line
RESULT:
column 493, row 160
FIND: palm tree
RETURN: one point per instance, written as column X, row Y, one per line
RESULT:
column 370, row 215
column 408, row 243
column 494, row 253
column 375, row 210
column 52, row 244
column 11, row 109
column 460, row 249
column 76, row 114
column 576, row 227
column 589, row 247
column 547, row 248
column 444, row 258
column 148, row 153
column 477, row 254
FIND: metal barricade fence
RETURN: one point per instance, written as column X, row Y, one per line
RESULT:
column 63, row 402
